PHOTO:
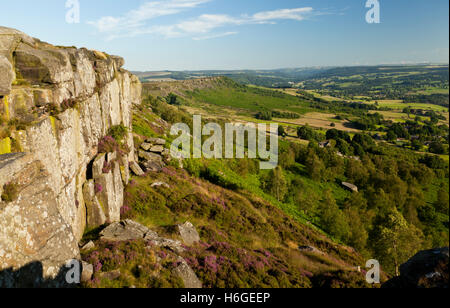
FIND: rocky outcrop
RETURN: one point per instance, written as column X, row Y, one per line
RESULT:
column 427, row 269
column 153, row 156
column 129, row 230
column 66, row 100
column 188, row 233
column 185, row 272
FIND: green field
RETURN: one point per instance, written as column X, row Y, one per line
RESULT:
column 399, row 105
column 252, row 99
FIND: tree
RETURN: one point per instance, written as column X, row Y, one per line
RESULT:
column 357, row 231
column 364, row 140
column 315, row 167
column 337, row 134
column 276, row 183
column 437, row 147
column 332, row 219
column 391, row 136
column 306, row 133
column 264, row 115
column 395, row 240
column 172, row 99
column 442, row 203
column 416, row 145
column 281, row 131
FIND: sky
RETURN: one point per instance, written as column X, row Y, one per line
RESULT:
column 240, row 34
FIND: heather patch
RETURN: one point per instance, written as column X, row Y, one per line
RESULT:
column 139, row 266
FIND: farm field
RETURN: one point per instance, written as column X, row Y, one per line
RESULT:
column 318, row 120
column 400, row 105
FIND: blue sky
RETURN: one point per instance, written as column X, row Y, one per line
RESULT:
column 242, row 34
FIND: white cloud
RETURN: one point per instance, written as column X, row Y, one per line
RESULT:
column 147, row 11
column 136, row 22
column 209, row 37
column 298, row 14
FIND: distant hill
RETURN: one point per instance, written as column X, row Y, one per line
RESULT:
column 266, row 78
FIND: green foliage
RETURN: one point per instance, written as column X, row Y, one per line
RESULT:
column 118, row 132
column 395, row 240
column 276, row 183
column 264, row 115
column 308, row 133
column 172, row 99
column 332, row 219
column 10, row 192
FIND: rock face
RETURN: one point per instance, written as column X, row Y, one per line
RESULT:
column 427, row 269
column 32, row 229
column 69, row 98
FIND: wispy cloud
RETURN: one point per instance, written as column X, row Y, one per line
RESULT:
column 138, row 22
column 209, row 37
column 137, row 18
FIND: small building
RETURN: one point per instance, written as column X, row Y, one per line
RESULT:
column 325, row 144
column 350, row 187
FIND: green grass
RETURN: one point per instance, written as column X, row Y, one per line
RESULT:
column 250, row 99
column 399, row 105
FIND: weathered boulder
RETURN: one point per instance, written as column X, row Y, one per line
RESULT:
column 151, row 157
column 160, row 184
column 427, row 269
column 151, row 161
column 188, row 233
column 146, row 146
column 310, row 249
column 136, row 169
column 127, row 230
column 174, row 245
column 89, row 245
column 87, row 271
column 188, row 276
column 156, row 141
column 157, row 149
column 153, row 166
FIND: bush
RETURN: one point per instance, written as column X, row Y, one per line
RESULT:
column 118, row 132
column 10, row 192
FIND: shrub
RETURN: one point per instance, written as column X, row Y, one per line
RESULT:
column 10, row 192
column 108, row 145
column 118, row 132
